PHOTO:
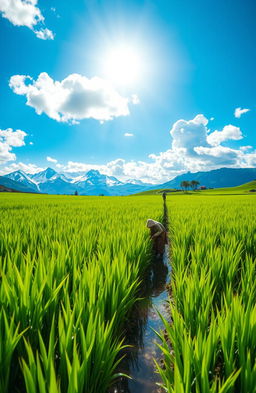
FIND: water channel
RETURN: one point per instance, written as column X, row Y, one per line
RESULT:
column 138, row 360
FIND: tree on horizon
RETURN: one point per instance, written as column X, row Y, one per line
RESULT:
column 185, row 185
column 194, row 184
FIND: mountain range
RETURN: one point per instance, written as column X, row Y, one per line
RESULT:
column 85, row 183
column 93, row 182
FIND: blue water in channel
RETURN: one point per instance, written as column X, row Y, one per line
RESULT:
column 139, row 360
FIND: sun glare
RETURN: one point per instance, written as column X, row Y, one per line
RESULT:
column 122, row 65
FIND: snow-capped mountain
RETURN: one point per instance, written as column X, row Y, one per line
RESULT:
column 139, row 182
column 23, row 178
column 91, row 182
column 94, row 177
column 43, row 176
column 61, row 176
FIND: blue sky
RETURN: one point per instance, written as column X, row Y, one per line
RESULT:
column 138, row 89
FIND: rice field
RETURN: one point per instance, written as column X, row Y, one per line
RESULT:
column 70, row 271
column 210, row 345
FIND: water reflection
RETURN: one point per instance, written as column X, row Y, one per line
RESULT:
column 138, row 360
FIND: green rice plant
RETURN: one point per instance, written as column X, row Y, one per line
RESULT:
column 39, row 373
column 71, row 270
column 210, row 345
column 191, row 369
column 26, row 290
column 193, row 294
column 9, row 338
column 72, row 367
column 248, row 283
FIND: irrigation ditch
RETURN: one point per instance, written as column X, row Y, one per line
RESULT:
column 138, row 358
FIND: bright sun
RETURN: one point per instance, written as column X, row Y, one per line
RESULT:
column 122, row 65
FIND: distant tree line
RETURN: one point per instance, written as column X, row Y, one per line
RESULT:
column 186, row 185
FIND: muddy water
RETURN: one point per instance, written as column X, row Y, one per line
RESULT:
column 138, row 361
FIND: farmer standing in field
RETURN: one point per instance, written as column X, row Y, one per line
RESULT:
column 159, row 236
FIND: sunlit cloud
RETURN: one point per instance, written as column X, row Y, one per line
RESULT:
column 239, row 112
column 44, row 34
column 135, row 99
column 229, row 132
column 17, row 166
column 50, row 159
column 26, row 13
column 72, row 99
column 9, row 139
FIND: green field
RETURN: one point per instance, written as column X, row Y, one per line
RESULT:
column 71, row 268
column 211, row 344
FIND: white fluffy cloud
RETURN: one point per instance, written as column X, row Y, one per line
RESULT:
column 72, row 166
column 74, row 98
column 25, row 13
column 229, row 132
column 122, row 169
column 8, row 140
column 191, row 133
column 13, row 138
column 128, row 134
column 244, row 148
column 5, row 154
column 44, row 34
column 239, row 112
column 50, row 159
column 190, row 150
column 194, row 148
column 15, row 166
column 135, row 99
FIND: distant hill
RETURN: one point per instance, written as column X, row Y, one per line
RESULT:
column 159, row 191
column 218, row 178
column 247, row 188
column 13, row 186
